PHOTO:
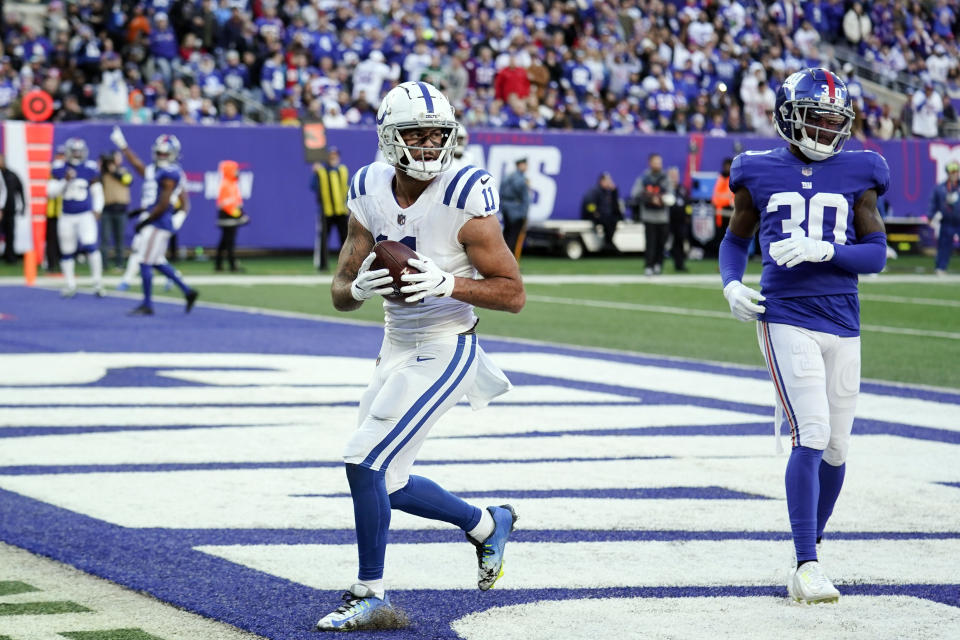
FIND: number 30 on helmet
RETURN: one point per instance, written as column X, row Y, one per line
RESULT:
column 813, row 111
column 416, row 105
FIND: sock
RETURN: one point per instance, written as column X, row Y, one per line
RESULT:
column 171, row 273
column 67, row 265
column 133, row 266
column 371, row 514
column 146, row 276
column 484, row 528
column 425, row 498
column 831, row 480
column 376, row 586
column 803, row 490
column 96, row 268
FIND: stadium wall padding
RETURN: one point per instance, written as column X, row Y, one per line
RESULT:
column 561, row 167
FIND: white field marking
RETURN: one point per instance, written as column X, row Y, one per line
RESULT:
column 733, row 388
column 291, row 443
column 881, row 492
column 723, row 618
column 585, row 565
column 459, row 421
column 52, row 369
column 703, row 313
column 931, row 302
column 111, row 606
column 147, row 417
column 252, row 395
column 554, row 279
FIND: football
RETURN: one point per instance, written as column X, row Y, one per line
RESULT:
column 393, row 256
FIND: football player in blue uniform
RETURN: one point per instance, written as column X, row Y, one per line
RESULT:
column 77, row 181
column 816, row 207
column 430, row 357
column 164, row 183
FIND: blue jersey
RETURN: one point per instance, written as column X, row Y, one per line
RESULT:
column 153, row 177
column 794, row 198
column 76, row 194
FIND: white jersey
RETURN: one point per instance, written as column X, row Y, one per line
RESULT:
column 430, row 226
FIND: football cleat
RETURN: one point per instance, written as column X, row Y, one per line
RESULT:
column 142, row 310
column 360, row 609
column 98, row 291
column 809, row 585
column 191, row 297
column 123, row 286
column 68, row 293
column 490, row 551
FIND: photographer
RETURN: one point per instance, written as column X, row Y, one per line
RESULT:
column 116, row 199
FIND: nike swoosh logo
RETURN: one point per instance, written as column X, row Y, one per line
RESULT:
column 484, row 180
column 419, row 359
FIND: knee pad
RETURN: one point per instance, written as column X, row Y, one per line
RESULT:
column 88, row 248
column 836, row 451
column 814, row 434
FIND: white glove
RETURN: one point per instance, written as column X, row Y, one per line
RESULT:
column 793, row 251
column 740, row 298
column 935, row 224
column 117, row 138
column 371, row 283
column 431, row 281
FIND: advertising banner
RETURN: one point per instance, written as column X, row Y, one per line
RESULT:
column 275, row 176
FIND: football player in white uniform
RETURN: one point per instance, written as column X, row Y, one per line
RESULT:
column 77, row 181
column 430, row 357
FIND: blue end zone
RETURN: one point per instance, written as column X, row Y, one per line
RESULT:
column 161, row 561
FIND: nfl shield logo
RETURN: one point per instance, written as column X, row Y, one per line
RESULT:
column 807, row 171
column 401, row 218
column 702, row 222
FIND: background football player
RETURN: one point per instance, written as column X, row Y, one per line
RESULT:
column 430, row 357
column 164, row 184
column 816, row 206
column 76, row 181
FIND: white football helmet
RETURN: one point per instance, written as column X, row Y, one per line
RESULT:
column 462, row 139
column 416, row 105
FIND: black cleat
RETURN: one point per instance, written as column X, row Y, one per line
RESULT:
column 191, row 298
column 142, row 310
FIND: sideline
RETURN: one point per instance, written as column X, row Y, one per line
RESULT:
column 665, row 279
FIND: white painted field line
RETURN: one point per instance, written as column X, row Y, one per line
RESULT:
column 932, row 302
column 685, row 311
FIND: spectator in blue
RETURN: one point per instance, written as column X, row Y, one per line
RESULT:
column 945, row 208
column 273, row 79
column 163, row 46
column 236, row 76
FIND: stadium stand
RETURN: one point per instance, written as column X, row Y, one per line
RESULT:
column 622, row 66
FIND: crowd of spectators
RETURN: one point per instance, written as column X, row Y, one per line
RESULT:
column 623, row 66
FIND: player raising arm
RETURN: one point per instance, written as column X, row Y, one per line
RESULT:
column 816, row 207
column 164, row 184
column 430, row 357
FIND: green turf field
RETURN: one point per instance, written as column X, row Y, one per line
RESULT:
column 911, row 330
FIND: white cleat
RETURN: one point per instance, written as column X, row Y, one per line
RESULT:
column 361, row 609
column 808, row 584
column 68, row 292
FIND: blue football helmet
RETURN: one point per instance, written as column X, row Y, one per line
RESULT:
column 76, row 151
column 813, row 111
column 166, row 149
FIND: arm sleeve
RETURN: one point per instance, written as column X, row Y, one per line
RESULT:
column 733, row 257
column 869, row 255
column 96, row 197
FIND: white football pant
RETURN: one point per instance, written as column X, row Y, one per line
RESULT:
column 817, row 378
column 413, row 385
